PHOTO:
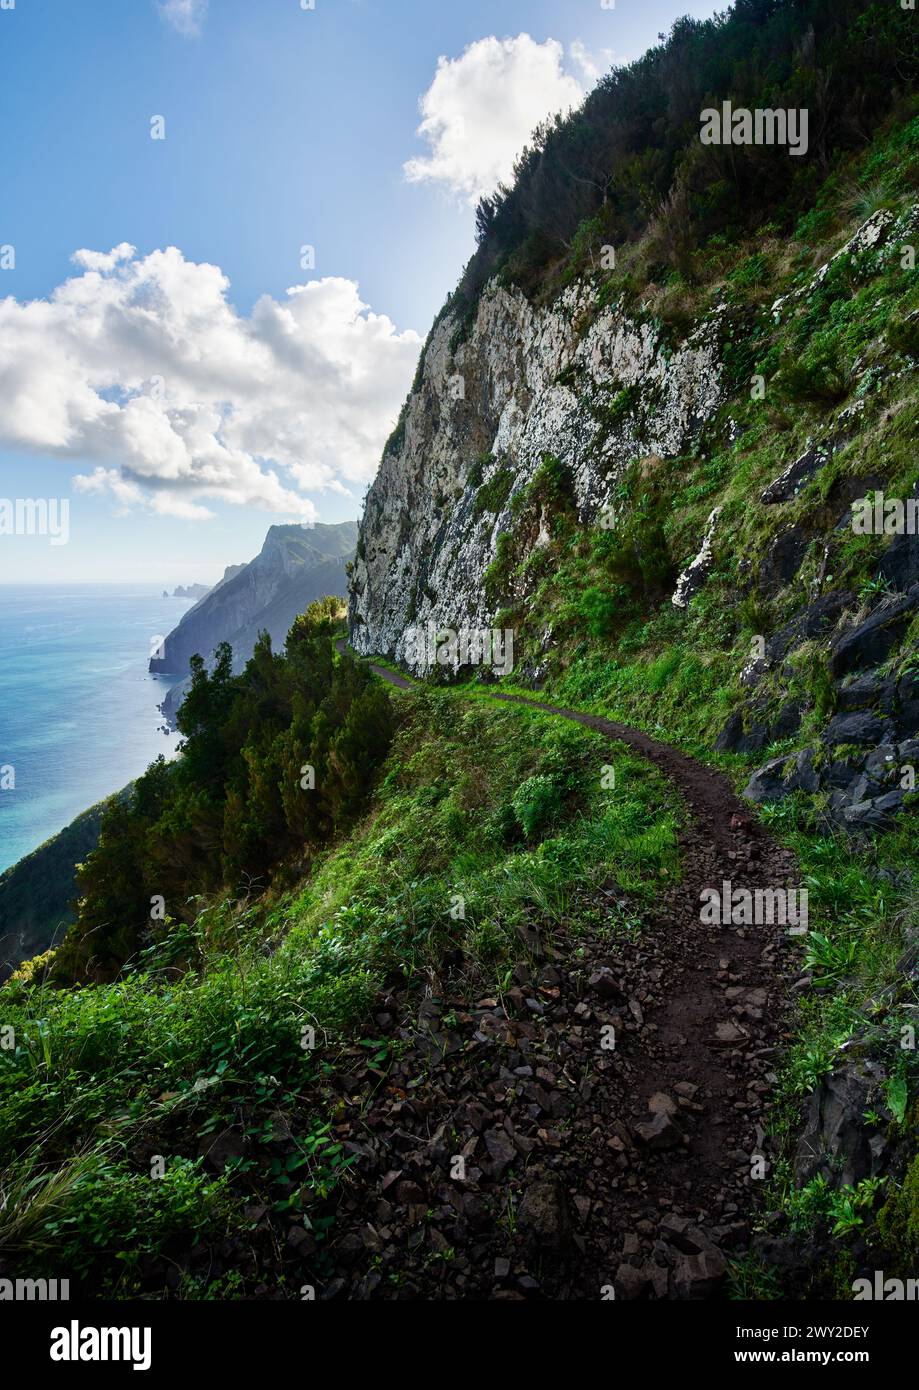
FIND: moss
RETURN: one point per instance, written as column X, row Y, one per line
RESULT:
column 497, row 578
column 492, row 495
column 477, row 469
column 898, row 1223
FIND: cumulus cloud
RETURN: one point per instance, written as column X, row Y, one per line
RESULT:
column 592, row 65
column 103, row 260
column 482, row 107
column 187, row 16
column 141, row 367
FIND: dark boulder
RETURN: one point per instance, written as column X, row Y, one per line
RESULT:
column 835, row 1141
column 777, row 778
column 881, row 759
column 871, row 642
column 752, row 737
column 908, row 699
column 908, row 752
column 876, row 813
column 867, row 692
column 735, row 738
column 861, row 727
column 900, row 563
column 837, row 509
column 788, row 720
column 790, row 483
column 840, row 773
column 813, row 621
column 768, row 782
column 783, row 559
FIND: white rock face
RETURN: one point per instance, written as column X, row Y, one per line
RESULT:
column 696, row 573
column 527, row 382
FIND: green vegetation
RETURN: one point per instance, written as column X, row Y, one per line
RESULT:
column 274, row 761
column 898, row 1222
column 292, row 907
column 629, row 163
column 492, row 495
column 832, row 365
column 37, row 894
column 618, row 645
column 500, row 805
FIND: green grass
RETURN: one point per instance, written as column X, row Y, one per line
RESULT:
column 490, row 818
column 846, row 340
column 497, row 808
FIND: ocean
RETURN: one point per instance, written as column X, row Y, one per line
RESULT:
column 78, row 708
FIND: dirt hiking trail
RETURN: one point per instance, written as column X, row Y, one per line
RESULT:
column 588, row 1167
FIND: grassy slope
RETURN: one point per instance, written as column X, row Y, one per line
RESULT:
column 676, row 674
column 502, row 806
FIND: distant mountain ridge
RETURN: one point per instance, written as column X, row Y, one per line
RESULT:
column 296, row 565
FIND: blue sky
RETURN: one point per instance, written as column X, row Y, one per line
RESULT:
column 284, row 128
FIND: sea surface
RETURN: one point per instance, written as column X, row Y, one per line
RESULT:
column 78, row 708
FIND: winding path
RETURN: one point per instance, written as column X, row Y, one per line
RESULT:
column 700, row 1048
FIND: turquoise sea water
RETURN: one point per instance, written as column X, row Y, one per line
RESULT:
column 78, row 709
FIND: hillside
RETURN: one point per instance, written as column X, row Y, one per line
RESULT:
column 36, row 895
column 295, row 566
column 583, row 966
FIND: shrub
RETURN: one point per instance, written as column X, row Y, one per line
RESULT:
column 536, row 802
column 903, row 336
column 818, row 377
column 599, row 609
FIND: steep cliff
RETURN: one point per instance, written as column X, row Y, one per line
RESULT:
column 620, row 474
column 528, row 382
column 295, row 566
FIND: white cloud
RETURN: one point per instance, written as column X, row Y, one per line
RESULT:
column 482, row 107
column 103, row 260
column 592, row 65
column 187, row 16
column 141, row 367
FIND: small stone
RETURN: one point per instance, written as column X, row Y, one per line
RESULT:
column 604, row 983
column 660, row 1132
column 662, row 1104
column 501, row 1150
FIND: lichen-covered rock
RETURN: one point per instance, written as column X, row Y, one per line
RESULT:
column 870, row 236
column 694, row 576
column 593, row 388
column 797, row 474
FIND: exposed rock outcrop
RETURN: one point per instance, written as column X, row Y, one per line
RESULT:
column 695, row 575
column 592, row 387
column 866, row 790
column 194, row 591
